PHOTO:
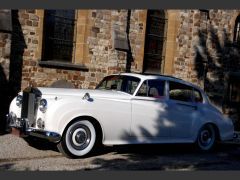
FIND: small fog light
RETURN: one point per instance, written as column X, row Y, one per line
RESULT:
column 13, row 117
column 40, row 123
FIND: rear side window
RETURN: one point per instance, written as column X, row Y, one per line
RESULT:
column 182, row 92
column 152, row 88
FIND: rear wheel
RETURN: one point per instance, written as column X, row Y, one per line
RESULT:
column 78, row 139
column 206, row 138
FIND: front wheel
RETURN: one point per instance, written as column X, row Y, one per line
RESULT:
column 206, row 138
column 78, row 139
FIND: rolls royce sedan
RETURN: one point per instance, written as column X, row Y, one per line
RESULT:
column 124, row 108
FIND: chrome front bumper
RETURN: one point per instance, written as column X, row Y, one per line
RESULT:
column 22, row 125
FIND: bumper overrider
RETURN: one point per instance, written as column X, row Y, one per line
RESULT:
column 22, row 125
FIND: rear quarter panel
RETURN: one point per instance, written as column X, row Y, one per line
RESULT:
column 210, row 114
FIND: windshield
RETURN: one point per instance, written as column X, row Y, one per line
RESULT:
column 122, row 83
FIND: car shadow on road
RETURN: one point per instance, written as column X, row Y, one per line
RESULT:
column 41, row 144
column 7, row 166
column 169, row 157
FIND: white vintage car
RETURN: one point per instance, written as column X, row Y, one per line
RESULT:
column 123, row 109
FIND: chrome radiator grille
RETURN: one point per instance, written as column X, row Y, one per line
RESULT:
column 30, row 102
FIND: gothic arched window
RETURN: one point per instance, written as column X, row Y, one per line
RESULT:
column 58, row 39
column 155, row 41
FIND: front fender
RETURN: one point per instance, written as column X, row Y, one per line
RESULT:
column 63, row 111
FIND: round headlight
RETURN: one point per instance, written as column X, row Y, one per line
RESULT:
column 43, row 105
column 19, row 100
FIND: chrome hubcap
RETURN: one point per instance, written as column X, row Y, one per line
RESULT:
column 206, row 137
column 80, row 137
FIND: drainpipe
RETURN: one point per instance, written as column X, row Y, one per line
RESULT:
column 129, row 51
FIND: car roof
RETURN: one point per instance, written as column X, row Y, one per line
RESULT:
column 156, row 76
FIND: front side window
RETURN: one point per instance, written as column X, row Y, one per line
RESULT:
column 58, row 37
column 152, row 88
column 126, row 84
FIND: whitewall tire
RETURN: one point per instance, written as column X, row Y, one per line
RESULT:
column 78, row 140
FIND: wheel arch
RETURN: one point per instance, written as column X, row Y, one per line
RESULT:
column 216, row 129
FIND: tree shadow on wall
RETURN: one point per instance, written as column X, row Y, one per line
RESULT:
column 10, row 88
column 3, row 98
column 214, row 61
column 18, row 45
column 215, row 58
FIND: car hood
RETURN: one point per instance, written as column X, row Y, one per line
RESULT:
column 94, row 93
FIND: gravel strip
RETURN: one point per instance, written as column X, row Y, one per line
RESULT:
column 13, row 147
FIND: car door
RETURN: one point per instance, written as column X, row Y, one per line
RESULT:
column 148, row 112
column 182, row 109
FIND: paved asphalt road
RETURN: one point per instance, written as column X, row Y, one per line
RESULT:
column 17, row 154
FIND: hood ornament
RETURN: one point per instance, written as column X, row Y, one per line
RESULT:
column 86, row 96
